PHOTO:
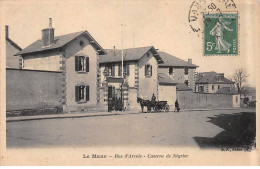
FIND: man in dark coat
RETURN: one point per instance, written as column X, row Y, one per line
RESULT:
column 177, row 108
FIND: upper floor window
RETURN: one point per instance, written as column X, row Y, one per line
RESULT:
column 213, row 87
column 81, row 64
column 218, row 86
column 170, row 70
column 186, row 70
column 126, row 70
column 148, row 70
column 81, row 93
column 110, row 70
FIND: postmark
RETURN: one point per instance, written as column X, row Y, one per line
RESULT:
column 220, row 34
column 200, row 18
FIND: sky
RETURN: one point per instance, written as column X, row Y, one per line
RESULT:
column 162, row 24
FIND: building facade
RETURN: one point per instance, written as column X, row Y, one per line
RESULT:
column 139, row 77
column 76, row 55
column 179, row 70
column 211, row 82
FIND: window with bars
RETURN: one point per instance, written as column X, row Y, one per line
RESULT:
column 81, row 64
column 148, row 70
column 81, row 93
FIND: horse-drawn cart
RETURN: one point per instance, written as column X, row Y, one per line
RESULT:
column 155, row 105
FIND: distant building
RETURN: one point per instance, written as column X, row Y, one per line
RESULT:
column 11, row 49
column 140, row 72
column 179, row 70
column 76, row 55
column 212, row 82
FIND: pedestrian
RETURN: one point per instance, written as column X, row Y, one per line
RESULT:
column 177, row 107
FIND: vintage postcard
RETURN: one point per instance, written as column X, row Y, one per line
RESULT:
column 141, row 82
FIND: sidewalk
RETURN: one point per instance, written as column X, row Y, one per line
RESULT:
column 92, row 114
column 67, row 115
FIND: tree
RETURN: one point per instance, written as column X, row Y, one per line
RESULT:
column 240, row 77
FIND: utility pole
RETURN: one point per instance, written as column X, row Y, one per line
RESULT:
column 122, row 51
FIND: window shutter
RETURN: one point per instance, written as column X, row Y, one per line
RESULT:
column 127, row 70
column 119, row 70
column 145, row 71
column 87, row 64
column 76, row 63
column 87, row 93
column 151, row 73
column 76, row 93
column 113, row 70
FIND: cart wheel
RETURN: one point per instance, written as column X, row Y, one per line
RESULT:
column 167, row 108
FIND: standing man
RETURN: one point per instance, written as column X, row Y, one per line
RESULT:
column 177, row 108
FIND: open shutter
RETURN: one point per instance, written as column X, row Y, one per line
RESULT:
column 76, row 63
column 127, row 70
column 119, row 70
column 113, row 70
column 76, row 93
column 151, row 70
column 145, row 70
column 87, row 64
column 87, row 93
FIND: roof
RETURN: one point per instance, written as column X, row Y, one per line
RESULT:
column 60, row 41
column 13, row 44
column 211, row 78
column 182, row 87
column 170, row 60
column 226, row 90
column 11, row 49
column 131, row 54
column 165, row 79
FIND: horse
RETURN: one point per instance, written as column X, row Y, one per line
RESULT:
column 143, row 103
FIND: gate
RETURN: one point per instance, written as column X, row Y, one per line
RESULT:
column 114, row 99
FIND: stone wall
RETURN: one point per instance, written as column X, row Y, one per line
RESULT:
column 190, row 100
column 31, row 89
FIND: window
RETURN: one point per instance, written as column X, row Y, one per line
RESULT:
column 110, row 70
column 236, row 99
column 170, row 70
column 148, row 70
column 81, row 93
column 201, row 89
column 218, row 86
column 186, row 82
column 186, row 70
column 81, row 64
column 81, row 43
column 126, row 70
column 213, row 87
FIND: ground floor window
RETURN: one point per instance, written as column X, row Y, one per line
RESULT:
column 81, row 93
column 186, row 82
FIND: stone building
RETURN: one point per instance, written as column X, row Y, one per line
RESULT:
column 211, row 82
column 76, row 55
column 179, row 70
column 139, row 79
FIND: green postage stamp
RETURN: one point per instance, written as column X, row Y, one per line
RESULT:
column 221, row 34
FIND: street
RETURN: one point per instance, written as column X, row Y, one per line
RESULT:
column 204, row 129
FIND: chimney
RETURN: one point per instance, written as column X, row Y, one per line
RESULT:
column 190, row 61
column 48, row 34
column 6, row 31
